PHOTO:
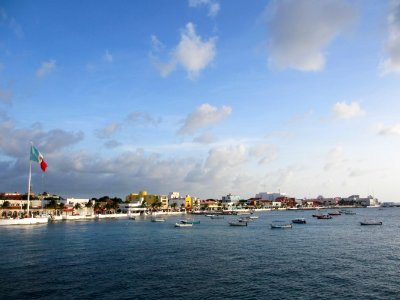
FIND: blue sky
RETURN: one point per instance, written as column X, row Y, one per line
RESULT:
column 204, row 97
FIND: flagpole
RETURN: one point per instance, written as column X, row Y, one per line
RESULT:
column 29, row 183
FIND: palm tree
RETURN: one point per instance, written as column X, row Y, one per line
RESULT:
column 174, row 205
column 77, row 206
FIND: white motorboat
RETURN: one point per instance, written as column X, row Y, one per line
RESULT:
column 183, row 225
column 158, row 219
column 24, row 221
column 280, row 224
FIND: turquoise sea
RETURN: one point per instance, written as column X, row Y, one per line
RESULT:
column 139, row 259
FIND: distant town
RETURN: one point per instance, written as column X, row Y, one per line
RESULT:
column 12, row 204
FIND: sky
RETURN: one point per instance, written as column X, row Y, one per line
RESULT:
column 201, row 97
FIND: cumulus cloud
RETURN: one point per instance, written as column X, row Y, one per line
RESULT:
column 383, row 129
column 392, row 47
column 265, row 153
column 300, row 30
column 108, row 131
column 46, row 68
column 142, row 118
column 351, row 110
column 205, row 115
column 191, row 53
column 213, row 6
column 14, row 142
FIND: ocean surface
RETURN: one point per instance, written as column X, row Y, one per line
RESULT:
column 139, row 259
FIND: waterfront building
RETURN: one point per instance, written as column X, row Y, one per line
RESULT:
column 164, row 201
column 143, row 198
column 270, row 196
column 209, row 204
column 229, row 200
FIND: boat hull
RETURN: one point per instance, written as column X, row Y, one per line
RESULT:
column 25, row 221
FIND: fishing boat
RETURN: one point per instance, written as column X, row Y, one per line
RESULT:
column 334, row 213
column 237, row 223
column 371, row 222
column 36, row 156
column 217, row 217
column 158, row 219
column 299, row 221
column 280, row 224
column 183, row 225
column 324, row 217
column 190, row 221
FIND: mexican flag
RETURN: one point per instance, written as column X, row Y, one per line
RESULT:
column 38, row 157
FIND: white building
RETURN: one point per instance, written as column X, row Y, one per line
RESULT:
column 230, row 199
column 270, row 196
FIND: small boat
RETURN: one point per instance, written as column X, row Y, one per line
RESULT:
column 349, row 212
column 371, row 222
column 217, row 217
column 191, row 221
column 280, row 224
column 317, row 215
column 253, row 217
column 158, row 220
column 183, row 225
column 237, row 223
column 299, row 221
column 334, row 213
column 324, row 217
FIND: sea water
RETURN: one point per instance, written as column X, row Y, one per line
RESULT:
column 140, row 259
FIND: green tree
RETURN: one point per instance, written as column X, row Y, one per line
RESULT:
column 77, row 206
column 6, row 204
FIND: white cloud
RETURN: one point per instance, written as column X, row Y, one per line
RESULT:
column 343, row 110
column 204, row 115
column 227, row 156
column 192, row 53
column 388, row 130
column 392, row 47
column 205, row 138
column 142, row 118
column 108, row 131
column 46, row 68
column 213, row 6
column 300, row 30
column 108, row 57
column 265, row 153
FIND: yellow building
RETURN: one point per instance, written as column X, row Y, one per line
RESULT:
column 142, row 197
column 188, row 202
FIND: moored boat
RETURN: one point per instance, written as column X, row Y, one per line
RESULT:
column 280, row 224
column 324, row 217
column 189, row 221
column 24, row 221
column 299, row 221
column 158, row 219
column 237, row 223
column 183, row 225
column 217, row 217
column 371, row 222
